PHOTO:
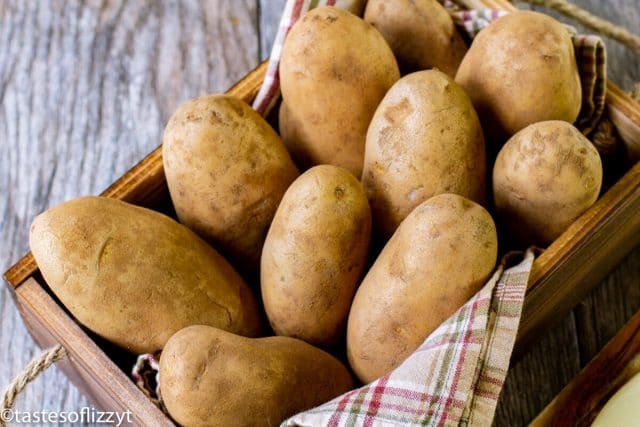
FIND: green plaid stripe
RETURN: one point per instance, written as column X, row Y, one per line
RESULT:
column 454, row 378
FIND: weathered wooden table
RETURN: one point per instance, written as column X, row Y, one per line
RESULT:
column 85, row 90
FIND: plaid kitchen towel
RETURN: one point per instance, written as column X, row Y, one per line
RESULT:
column 590, row 56
column 454, row 378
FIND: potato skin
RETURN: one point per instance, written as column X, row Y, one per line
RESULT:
column 421, row 34
column 335, row 69
column 425, row 139
column 135, row 276
column 520, row 70
column 227, row 171
column 314, row 255
column 209, row 377
column 439, row 257
column 545, row 176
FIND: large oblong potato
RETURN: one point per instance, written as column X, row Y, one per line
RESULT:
column 439, row 257
column 314, row 255
column 209, row 377
column 545, row 176
column 227, row 170
column 425, row 139
column 520, row 70
column 335, row 69
column 421, row 34
column 135, row 276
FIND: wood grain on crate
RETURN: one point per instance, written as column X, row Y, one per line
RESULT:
column 581, row 400
column 86, row 364
column 578, row 336
column 144, row 181
column 86, row 87
column 589, row 249
column 561, row 276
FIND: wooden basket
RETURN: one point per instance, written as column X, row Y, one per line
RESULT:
column 582, row 399
column 561, row 276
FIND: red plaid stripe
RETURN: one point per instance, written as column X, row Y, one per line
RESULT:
column 456, row 375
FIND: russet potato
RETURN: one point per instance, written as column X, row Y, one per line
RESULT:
column 424, row 139
column 135, row 276
column 335, row 69
column 210, row 377
column 439, row 257
column 520, row 70
column 314, row 255
column 545, row 176
column 421, row 34
column 227, row 170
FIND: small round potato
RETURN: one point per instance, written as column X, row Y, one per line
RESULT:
column 520, row 70
column 314, row 255
column 424, row 139
column 421, row 34
column 334, row 71
column 212, row 378
column 439, row 257
column 227, row 171
column 545, row 176
column 135, row 276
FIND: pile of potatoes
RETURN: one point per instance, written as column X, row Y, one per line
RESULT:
column 382, row 237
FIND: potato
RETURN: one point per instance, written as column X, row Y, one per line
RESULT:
column 353, row 6
column 314, row 255
column 421, row 34
column 227, row 171
column 424, row 139
column 335, row 69
column 545, row 176
column 622, row 408
column 439, row 257
column 209, row 377
column 520, row 70
column 135, row 276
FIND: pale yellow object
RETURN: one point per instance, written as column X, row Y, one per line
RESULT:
column 623, row 409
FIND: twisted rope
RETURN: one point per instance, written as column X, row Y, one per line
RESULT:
column 603, row 26
column 36, row 366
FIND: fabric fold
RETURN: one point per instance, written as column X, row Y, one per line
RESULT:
column 455, row 376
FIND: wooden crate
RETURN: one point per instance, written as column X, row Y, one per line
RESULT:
column 582, row 399
column 561, row 276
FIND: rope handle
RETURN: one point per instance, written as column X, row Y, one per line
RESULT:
column 34, row 368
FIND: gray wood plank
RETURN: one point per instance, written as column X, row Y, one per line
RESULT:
column 270, row 11
column 608, row 307
column 539, row 376
column 85, row 90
